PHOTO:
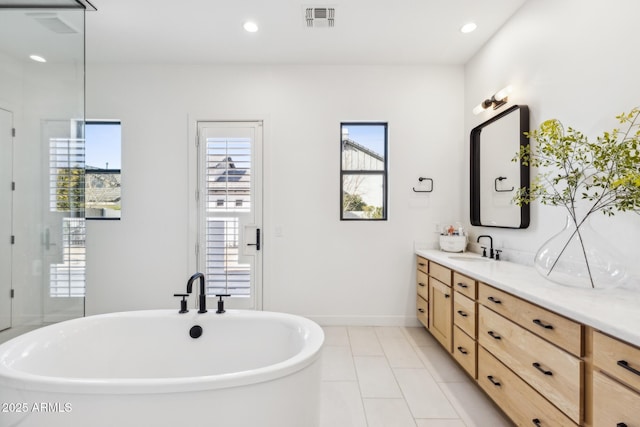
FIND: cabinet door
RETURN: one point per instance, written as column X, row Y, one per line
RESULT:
column 440, row 312
column 614, row 404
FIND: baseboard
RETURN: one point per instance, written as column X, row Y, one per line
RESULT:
column 346, row 320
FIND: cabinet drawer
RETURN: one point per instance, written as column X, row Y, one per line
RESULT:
column 559, row 330
column 464, row 314
column 617, row 358
column 464, row 351
column 422, row 264
column 422, row 282
column 465, row 285
column 614, row 404
column 556, row 374
column 423, row 311
column 439, row 272
column 519, row 401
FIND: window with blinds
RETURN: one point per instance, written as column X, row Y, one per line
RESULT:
column 227, row 193
column 66, row 194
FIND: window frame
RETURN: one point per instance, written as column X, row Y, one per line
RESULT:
column 106, row 122
column 382, row 173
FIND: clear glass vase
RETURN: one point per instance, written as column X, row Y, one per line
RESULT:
column 580, row 257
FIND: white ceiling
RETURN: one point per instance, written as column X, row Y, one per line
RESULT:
column 366, row 31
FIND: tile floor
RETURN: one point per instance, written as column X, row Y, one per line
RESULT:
column 397, row 376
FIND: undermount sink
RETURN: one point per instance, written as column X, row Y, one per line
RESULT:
column 468, row 258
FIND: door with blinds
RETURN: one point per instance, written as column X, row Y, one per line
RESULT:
column 63, row 232
column 229, row 195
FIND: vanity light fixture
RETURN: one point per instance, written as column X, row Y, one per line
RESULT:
column 250, row 27
column 496, row 101
column 468, row 27
column 37, row 58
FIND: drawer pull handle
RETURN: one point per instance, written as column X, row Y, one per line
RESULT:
column 536, row 422
column 494, row 300
column 539, row 368
column 544, row 325
column 494, row 382
column 447, row 296
column 421, row 310
column 462, row 350
column 462, row 313
column 421, row 284
column 422, row 264
column 462, row 285
column 494, row 335
column 624, row 364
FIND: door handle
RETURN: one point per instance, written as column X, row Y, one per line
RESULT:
column 257, row 243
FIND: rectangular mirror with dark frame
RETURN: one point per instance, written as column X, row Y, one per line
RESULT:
column 495, row 178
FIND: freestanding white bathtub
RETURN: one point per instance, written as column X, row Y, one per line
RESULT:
column 142, row 368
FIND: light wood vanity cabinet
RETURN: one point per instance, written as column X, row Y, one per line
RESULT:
column 541, row 368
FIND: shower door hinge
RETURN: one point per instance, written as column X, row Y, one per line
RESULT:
column 13, row 132
column 13, row 293
column 13, row 240
column 13, row 186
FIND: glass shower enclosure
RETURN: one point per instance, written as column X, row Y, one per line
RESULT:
column 42, row 221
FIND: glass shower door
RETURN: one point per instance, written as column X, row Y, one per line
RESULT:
column 47, row 259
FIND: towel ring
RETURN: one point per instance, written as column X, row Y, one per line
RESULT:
column 424, row 191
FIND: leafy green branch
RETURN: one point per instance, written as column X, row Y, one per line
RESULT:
column 605, row 173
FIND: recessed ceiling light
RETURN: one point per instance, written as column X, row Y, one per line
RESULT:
column 468, row 27
column 250, row 26
column 37, row 58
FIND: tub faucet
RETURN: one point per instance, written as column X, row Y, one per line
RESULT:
column 484, row 249
column 202, row 297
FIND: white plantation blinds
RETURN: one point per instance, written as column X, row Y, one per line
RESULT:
column 66, row 174
column 228, row 199
column 66, row 194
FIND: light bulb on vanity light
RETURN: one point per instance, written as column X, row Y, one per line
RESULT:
column 503, row 93
column 496, row 101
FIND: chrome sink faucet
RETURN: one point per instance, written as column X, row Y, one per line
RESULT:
column 202, row 297
column 484, row 248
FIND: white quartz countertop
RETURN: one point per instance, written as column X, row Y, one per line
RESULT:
column 613, row 311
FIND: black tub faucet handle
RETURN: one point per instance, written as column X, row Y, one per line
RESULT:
column 221, row 303
column 183, row 303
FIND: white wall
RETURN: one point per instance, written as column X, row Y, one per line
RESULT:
column 333, row 271
column 573, row 60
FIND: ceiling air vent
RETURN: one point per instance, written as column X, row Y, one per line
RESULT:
column 53, row 22
column 320, row 17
